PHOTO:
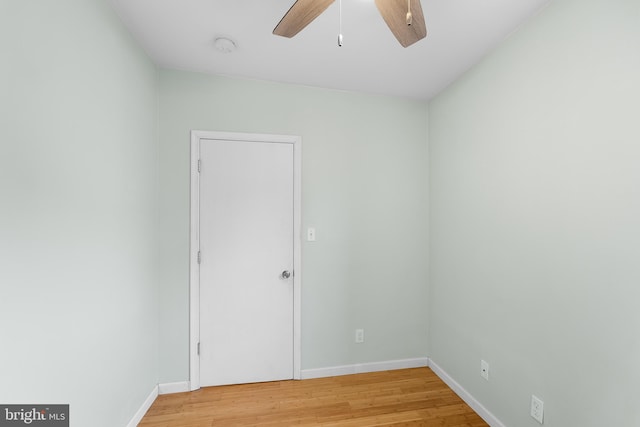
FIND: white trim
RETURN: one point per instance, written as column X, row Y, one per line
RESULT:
column 194, row 270
column 171, row 388
column 194, row 267
column 297, row 257
column 466, row 396
column 144, row 408
column 360, row 368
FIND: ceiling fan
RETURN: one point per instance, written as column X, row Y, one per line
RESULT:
column 403, row 17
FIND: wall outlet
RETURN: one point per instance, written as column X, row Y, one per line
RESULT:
column 537, row 409
column 359, row 335
column 484, row 370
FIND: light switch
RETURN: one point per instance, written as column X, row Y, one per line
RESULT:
column 311, row 234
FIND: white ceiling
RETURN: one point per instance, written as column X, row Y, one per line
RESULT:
column 180, row 33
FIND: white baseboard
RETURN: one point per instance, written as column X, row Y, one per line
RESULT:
column 170, row 388
column 361, row 368
column 466, row 396
column 144, row 408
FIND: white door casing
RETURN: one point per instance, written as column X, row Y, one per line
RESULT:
column 263, row 324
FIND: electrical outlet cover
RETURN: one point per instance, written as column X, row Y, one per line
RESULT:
column 484, row 370
column 537, row 409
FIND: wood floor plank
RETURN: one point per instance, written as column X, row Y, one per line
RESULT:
column 406, row 397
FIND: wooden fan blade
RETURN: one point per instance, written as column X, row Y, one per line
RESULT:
column 394, row 13
column 299, row 16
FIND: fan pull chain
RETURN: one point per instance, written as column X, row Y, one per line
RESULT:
column 409, row 15
column 340, row 26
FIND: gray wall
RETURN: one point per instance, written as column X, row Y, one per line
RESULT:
column 78, row 211
column 535, row 219
column 364, row 189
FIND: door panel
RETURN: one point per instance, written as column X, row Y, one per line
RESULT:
column 246, row 241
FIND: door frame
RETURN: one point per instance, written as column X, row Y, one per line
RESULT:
column 194, row 245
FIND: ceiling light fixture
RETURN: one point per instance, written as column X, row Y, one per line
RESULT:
column 225, row 45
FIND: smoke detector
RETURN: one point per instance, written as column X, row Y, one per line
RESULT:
column 225, row 44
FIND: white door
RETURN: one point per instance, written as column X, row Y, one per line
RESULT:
column 246, row 270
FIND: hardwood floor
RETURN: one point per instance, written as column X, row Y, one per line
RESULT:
column 406, row 397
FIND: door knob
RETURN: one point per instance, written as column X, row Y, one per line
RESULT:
column 285, row 274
